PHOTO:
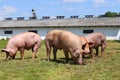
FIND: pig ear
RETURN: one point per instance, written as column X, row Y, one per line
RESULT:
column 5, row 50
column 83, row 42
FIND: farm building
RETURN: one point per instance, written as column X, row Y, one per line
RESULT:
column 80, row 26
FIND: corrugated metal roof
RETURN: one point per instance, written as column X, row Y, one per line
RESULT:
column 79, row 22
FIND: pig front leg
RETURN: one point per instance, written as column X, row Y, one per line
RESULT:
column 66, row 56
column 22, row 53
column 13, row 57
column 7, row 56
column 54, row 53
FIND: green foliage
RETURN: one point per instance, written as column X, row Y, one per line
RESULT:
column 103, row 68
column 110, row 14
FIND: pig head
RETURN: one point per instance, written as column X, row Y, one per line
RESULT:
column 9, row 53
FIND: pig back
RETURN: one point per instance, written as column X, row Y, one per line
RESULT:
column 30, row 39
column 24, row 40
column 96, row 38
column 70, row 40
column 52, row 39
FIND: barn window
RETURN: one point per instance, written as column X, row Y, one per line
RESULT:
column 35, row 31
column 46, row 17
column 88, row 31
column 8, row 32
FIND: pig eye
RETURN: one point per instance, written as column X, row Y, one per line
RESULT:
column 83, row 47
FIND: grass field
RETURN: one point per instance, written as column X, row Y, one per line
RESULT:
column 105, row 68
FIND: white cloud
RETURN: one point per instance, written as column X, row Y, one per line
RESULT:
column 6, row 10
column 98, row 3
column 74, row 0
column 9, row 9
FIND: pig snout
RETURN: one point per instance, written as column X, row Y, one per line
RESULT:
column 85, row 48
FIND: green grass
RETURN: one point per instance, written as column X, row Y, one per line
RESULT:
column 105, row 68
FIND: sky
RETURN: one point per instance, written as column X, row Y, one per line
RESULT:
column 53, row 8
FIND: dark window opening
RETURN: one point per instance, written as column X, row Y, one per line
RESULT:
column 35, row 31
column 88, row 31
column 46, row 17
column 60, row 17
column 8, row 18
column 89, row 16
column 20, row 18
column 47, row 31
column 8, row 32
column 74, row 16
column 31, row 18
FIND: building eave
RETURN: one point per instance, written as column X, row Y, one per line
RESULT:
column 62, row 23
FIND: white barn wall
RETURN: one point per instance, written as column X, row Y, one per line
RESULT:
column 112, row 33
column 118, row 35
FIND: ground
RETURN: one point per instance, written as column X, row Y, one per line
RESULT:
column 103, row 68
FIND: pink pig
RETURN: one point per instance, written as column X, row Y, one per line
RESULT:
column 66, row 41
column 20, row 42
column 97, row 40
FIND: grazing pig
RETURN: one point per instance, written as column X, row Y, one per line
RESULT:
column 97, row 39
column 20, row 42
column 66, row 41
column 85, row 47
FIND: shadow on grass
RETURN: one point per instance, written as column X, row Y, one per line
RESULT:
column 62, row 61
column 58, row 61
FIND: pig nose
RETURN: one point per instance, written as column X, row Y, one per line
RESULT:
column 87, row 51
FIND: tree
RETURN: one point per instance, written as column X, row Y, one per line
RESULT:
column 110, row 14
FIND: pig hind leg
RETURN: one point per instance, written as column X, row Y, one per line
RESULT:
column 48, row 50
column 34, row 50
column 103, row 47
column 92, row 55
column 96, row 51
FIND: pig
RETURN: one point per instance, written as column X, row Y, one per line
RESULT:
column 96, row 39
column 85, row 47
column 66, row 41
column 20, row 42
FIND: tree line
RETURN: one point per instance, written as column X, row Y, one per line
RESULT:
column 110, row 14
